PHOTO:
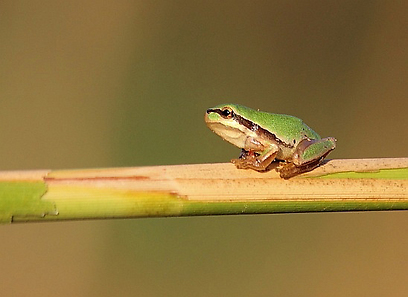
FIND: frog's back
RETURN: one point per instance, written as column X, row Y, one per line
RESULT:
column 286, row 126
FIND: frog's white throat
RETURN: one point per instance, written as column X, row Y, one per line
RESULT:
column 236, row 134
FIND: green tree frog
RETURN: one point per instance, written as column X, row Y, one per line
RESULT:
column 269, row 140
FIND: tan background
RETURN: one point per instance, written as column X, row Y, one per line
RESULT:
column 126, row 83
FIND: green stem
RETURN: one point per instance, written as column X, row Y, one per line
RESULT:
column 207, row 189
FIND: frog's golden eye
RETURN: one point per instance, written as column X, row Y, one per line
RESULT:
column 227, row 113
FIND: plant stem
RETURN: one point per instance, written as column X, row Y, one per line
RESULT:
column 201, row 189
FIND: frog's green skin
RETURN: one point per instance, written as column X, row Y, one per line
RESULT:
column 265, row 137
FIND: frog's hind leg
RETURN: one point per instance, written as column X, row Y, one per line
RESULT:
column 309, row 154
column 310, row 150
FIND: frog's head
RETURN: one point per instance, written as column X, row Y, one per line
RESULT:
column 228, row 122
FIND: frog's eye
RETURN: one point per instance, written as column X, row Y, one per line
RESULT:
column 227, row 113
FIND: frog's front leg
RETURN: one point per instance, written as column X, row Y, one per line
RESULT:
column 309, row 154
column 255, row 161
column 255, row 155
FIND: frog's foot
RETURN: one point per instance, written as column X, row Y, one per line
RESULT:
column 288, row 170
column 252, row 160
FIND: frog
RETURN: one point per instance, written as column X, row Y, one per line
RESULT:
column 268, row 140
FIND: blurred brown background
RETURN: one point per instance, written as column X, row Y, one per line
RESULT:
column 126, row 83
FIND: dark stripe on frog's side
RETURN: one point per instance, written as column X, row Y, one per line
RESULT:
column 253, row 127
column 259, row 130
